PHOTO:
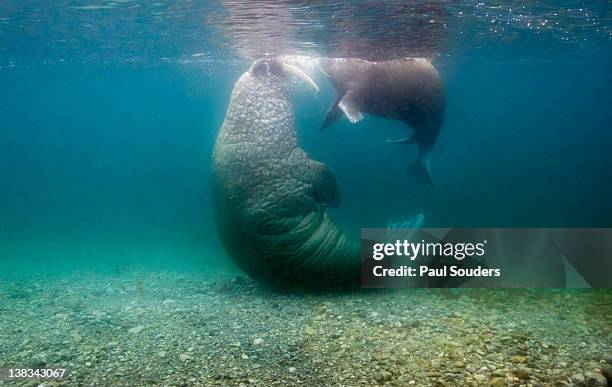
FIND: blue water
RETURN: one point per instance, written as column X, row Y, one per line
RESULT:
column 110, row 111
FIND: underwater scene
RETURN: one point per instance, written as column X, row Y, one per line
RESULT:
column 186, row 188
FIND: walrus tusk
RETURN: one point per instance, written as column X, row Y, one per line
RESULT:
column 289, row 69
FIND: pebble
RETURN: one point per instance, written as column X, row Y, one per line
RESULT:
column 184, row 357
column 136, row 330
column 459, row 364
column 383, row 376
column 521, row 373
column 258, row 341
column 578, row 378
column 518, row 359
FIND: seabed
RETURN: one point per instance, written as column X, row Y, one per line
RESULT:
column 174, row 328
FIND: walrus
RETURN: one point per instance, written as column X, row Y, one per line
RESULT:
column 270, row 200
column 270, row 197
column 409, row 90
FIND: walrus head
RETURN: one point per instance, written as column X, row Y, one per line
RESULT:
column 274, row 66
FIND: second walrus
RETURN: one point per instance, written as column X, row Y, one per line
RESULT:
column 409, row 90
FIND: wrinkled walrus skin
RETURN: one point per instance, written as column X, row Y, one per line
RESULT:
column 269, row 196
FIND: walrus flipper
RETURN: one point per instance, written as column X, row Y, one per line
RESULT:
column 421, row 171
column 324, row 184
column 350, row 108
column 332, row 115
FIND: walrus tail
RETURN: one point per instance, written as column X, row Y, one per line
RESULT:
column 421, row 171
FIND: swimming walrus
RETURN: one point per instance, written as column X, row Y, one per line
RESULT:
column 270, row 197
column 409, row 90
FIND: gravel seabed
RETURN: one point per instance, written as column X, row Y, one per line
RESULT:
column 173, row 328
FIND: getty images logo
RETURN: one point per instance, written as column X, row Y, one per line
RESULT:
column 413, row 250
